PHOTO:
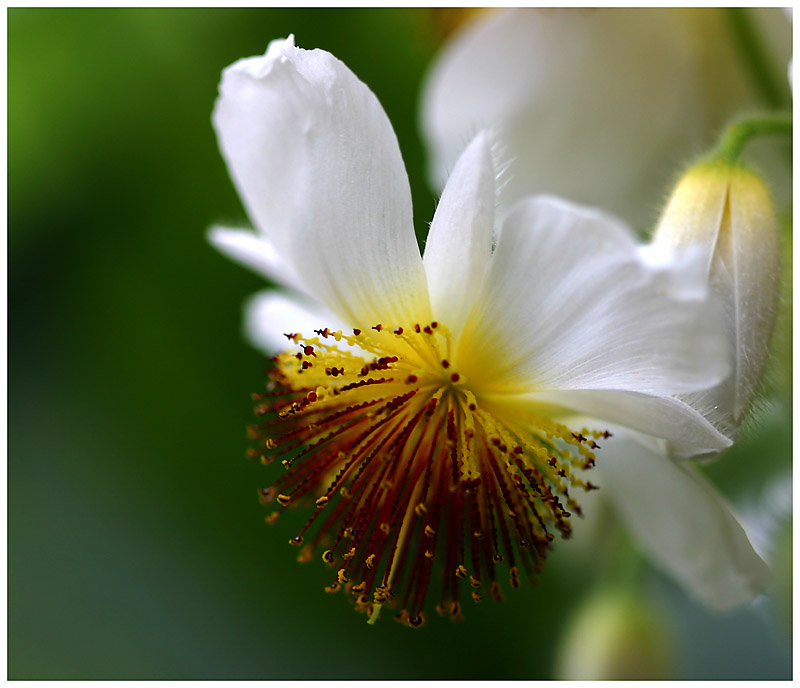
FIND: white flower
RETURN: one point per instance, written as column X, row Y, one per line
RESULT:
column 600, row 106
column 424, row 404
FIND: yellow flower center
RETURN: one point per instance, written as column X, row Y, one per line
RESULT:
column 413, row 478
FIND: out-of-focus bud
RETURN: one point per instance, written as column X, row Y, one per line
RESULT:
column 616, row 636
column 728, row 213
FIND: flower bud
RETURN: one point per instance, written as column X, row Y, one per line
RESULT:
column 616, row 636
column 727, row 212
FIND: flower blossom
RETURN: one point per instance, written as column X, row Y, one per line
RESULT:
column 425, row 408
column 601, row 106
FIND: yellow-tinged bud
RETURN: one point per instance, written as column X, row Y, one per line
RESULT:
column 727, row 212
column 616, row 636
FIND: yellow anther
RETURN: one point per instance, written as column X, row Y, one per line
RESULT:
column 428, row 554
column 370, row 562
column 322, row 501
column 474, row 582
column 283, row 499
column 342, row 577
column 430, row 532
column 461, row 571
column 271, row 518
column 496, row 592
column 349, row 554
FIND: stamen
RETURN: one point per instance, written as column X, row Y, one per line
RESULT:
column 409, row 477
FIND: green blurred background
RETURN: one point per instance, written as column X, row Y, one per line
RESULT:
column 136, row 544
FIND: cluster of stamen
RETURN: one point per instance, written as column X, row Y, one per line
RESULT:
column 414, row 484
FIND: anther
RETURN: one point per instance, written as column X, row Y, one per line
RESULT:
column 296, row 541
column 283, row 499
column 327, row 556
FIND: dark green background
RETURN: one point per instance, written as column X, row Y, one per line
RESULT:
column 136, row 544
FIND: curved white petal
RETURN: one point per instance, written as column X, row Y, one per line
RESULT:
column 600, row 106
column 568, row 304
column 269, row 316
column 318, row 168
column 686, row 432
column 684, row 526
column 255, row 252
column 459, row 243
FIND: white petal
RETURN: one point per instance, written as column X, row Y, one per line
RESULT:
column 680, row 521
column 568, row 304
column 686, row 432
column 269, row 316
column 319, row 170
column 256, row 253
column 459, row 243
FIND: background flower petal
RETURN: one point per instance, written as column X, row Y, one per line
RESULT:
column 598, row 105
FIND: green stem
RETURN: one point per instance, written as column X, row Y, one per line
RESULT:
column 773, row 89
column 738, row 135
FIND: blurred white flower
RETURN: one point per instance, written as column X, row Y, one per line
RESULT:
column 447, row 409
column 599, row 106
